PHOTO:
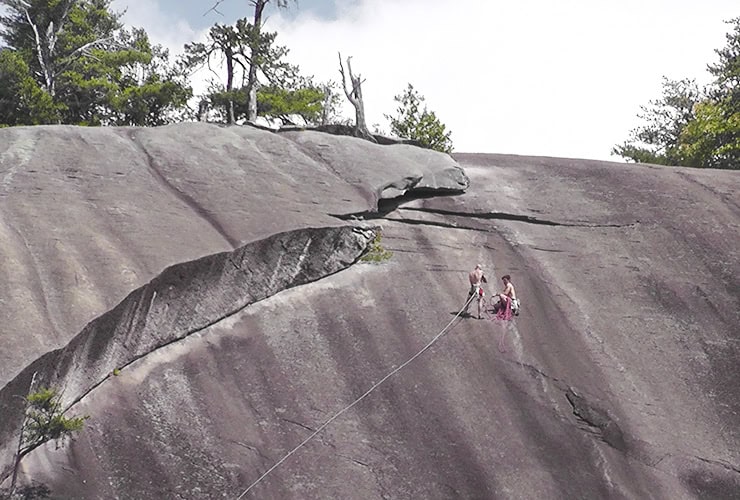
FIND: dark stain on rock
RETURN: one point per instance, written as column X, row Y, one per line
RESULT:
column 597, row 418
column 708, row 484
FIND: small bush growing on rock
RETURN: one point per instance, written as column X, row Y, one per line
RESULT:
column 44, row 421
column 377, row 252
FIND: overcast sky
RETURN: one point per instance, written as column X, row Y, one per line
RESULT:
column 541, row 77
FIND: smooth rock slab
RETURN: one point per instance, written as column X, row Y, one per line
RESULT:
column 183, row 300
column 89, row 214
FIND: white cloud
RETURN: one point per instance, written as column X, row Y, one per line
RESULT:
column 538, row 77
column 166, row 28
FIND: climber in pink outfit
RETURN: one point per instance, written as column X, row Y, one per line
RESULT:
column 507, row 299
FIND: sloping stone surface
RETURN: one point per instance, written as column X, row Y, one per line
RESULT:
column 87, row 215
column 618, row 380
column 357, row 162
column 184, row 300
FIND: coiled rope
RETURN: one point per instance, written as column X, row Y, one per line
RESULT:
column 367, row 393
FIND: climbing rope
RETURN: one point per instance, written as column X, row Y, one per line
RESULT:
column 367, row 393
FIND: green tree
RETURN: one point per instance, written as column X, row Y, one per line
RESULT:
column 22, row 100
column 412, row 121
column 230, row 43
column 259, row 56
column 712, row 139
column 78, row 54
column 149, row 90
column 657, row 141
column 690, row 127
column 44, row 421
column 306, row 102
column 726, row 86
column 286, row 95
column 52, row 34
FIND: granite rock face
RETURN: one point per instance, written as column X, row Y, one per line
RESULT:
column 88, row 215
column 183, row 300
column 618, row 379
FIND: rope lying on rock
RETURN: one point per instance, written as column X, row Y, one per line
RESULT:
column 367, row 393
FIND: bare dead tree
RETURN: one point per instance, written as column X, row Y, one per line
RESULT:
column 355, row 98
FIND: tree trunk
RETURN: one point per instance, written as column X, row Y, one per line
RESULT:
column 203, row 106
column 13, row 481
column 355, row 98
column 22, row 452
column 259, row 6
column 360, row 122
column 231, row 119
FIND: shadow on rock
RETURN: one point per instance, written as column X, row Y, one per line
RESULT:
column 706, row 484
column 32, row 492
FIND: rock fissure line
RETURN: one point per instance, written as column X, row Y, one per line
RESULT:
column 358, row 462
column 184, row 197
column 385, row 206
column 304, row 426
column 515, row 217
column 374, row 215
column 154, row 350
column 250, row 448
column 533, row 370
column 600, row 424
column 721, row 463
column 446, row 225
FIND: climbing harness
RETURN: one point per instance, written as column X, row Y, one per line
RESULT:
column 346, row 408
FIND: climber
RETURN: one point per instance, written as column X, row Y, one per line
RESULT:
column 507, row 304
column 476, row 278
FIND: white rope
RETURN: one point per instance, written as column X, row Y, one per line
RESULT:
column 375, row 386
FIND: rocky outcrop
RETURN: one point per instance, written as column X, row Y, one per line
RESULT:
column 415, row 168
column 183, row 300
column 618, row 379
column 89, row 214
column 351, row 131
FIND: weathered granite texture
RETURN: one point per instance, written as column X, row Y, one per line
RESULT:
column 89, row 214
column 618, row 380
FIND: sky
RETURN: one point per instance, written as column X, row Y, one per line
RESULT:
column 561, row 78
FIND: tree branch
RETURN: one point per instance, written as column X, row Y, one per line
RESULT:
column 52, row 35
column 214, row 8
column 72, row 57
column 344, row 80
column 39, row 51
